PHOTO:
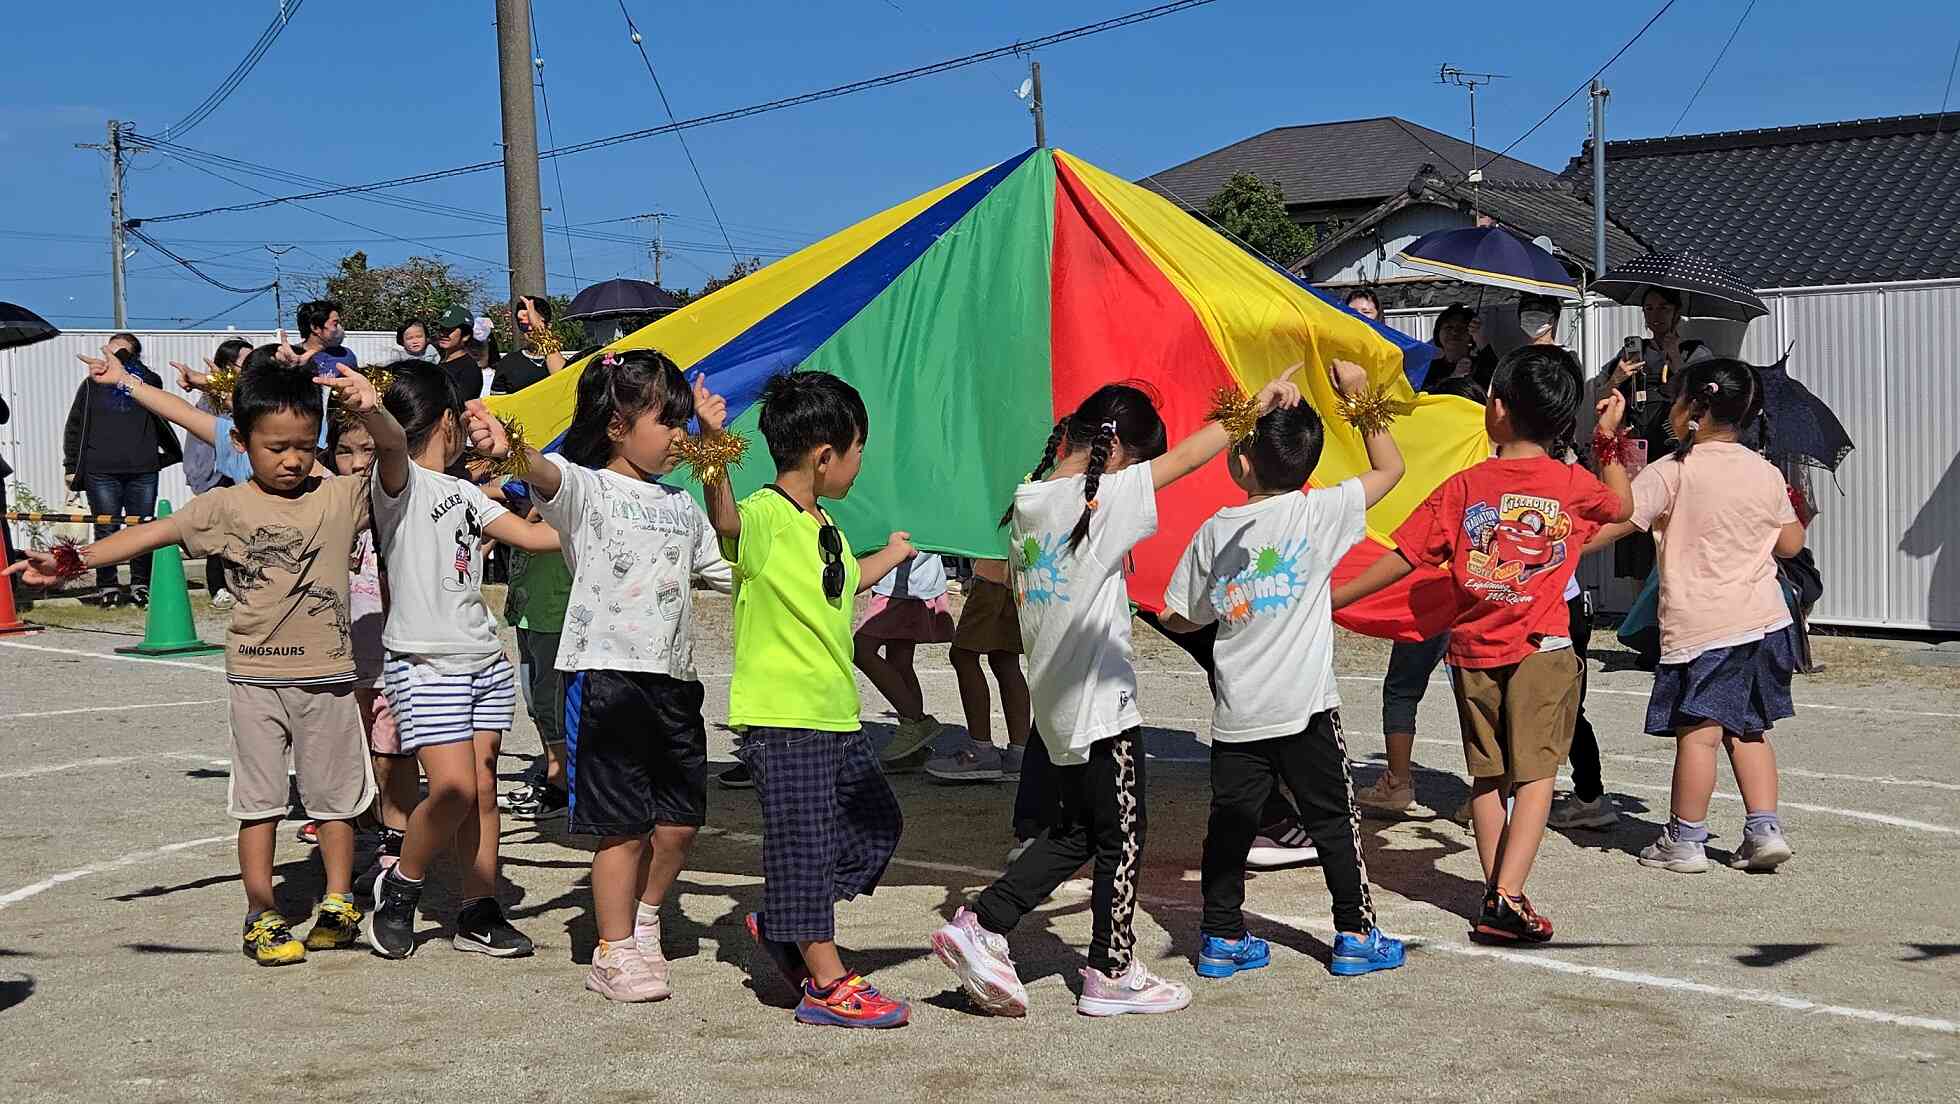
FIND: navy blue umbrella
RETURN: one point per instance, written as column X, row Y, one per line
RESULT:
column 1799, row 426
column 1489, row 255
column 1706, row 289
column 20, row 326
column 621, row 297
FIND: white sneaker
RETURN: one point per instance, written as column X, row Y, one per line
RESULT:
column 973, row 763
column 1679, row 856
column 1570, row 812
column 1765, row 851
column 1387, row 796
column 1287, row 846
column 980, row 959
column 1137, row 990
column 223, row 600
column 620, row 973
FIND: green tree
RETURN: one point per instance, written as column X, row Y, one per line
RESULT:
column 1254, row 211
column 384, row 297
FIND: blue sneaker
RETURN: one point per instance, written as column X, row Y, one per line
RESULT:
column 1221, row 958
column 1364, row 956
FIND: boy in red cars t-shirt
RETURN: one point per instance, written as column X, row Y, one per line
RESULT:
column 1510, row 531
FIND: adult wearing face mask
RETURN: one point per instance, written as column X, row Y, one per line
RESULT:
column 322, row 338
column 113, row 449
column 413, row 338
column 456, row 338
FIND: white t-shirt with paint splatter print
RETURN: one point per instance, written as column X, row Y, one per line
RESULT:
column 1075, row 606
column 1261, row 571
column 634, row 548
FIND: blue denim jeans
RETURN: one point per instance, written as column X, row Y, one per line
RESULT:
column 132, row 495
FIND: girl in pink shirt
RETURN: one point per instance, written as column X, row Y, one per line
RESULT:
column 1721, row 516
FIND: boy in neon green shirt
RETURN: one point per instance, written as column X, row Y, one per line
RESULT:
column 830, row 821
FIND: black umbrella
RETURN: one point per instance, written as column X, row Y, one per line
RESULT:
column 1800, row 426
column 621, row 297
column 20, row 326
column 1706, row 290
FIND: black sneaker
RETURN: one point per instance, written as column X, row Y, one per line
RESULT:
column 139, row 596
column 736, row 777
column 541, row 802
column 1510, row 920
column 390, row 925
column 481, row 927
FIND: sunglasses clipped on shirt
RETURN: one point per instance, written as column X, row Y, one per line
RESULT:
column 830, row 547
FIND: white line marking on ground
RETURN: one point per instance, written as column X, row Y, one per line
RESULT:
column 109, row 709
column 1595, row 689
column 216, row 670
column 1877, row 780
column 1854, row 814
column 1659, row 981
column 102, row 761
column 23, row 893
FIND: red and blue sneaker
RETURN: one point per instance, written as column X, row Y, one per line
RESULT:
column 852, row 1002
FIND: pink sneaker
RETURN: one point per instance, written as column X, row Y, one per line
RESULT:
column 1137, row 990
column 620, row 973
column 646, row 939
column 985, row 969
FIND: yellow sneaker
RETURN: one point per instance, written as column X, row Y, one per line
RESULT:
column 269, row 941
column 338, row 925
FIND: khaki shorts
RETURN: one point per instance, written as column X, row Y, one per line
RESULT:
column 1517, row 720
column 988, row 620
column 320, row 728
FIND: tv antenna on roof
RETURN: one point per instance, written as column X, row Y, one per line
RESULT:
column 1450, row 74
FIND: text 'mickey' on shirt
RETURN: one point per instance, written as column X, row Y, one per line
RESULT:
column 431, row 538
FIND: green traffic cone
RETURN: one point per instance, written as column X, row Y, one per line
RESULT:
column 169, row 630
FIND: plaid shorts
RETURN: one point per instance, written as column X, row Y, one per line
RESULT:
column 435, row 707
column 830, row 824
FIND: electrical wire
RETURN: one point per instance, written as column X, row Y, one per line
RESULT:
column 564, row 212
column 888, row 79
column 247, row 301
column 287, row 9
column 640, row 45
column 194, row 270
column 1940, row 119
column 1719, row 55
column 1594, row 75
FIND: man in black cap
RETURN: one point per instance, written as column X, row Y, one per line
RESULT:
column 456, row 337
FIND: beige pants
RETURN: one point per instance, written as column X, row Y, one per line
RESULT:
column 320, row 728
column 1517, row 720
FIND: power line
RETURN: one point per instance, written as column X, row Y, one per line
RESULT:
column 287, row 9
column 564, row 212
column 1940, row 119
column 1719, row 55
column 1086, row 30
column 194, row 270
column 247, row 301
column 1583, row 85
column 640, row 45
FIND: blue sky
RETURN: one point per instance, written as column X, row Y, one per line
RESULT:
column 356, row 90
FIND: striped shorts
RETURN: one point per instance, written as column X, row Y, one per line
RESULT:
column 433, row 707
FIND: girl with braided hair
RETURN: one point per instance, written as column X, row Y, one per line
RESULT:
column 1721, row 517
column 1089, row 501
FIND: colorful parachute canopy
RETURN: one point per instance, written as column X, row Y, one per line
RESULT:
column 973, row 316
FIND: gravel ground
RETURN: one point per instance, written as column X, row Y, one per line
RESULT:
column 1837, row 978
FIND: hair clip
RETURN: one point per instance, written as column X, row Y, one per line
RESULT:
column 610, row 359
column 1109, row 428
column 1713, row 388
column 1093, row 503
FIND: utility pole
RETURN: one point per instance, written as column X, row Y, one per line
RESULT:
column 657, row 248
column 1040, row 117
column 278, row 278
column 523, row 203
column 1599, row 94
column 1450, row 74
column 115, row 151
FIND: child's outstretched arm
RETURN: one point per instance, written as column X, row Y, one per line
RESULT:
column 1608, row 536
column 357, row 393
column 1197, row 450
column 884, row 561
column 109, row 372
column 711, row 410
column 527, row 536
column 1385, row 465
column 43, row 569
column 1382, row 573
column 1612, row 409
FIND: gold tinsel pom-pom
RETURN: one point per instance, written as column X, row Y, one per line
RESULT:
column 516, row 463
column 1239, row 414
column 219, row 384
column 380, row 377
column 710, row 455
column 1370, row 412
column 546, row 341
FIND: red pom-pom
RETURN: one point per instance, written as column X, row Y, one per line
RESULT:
column 67, row 559
column 1611, row 449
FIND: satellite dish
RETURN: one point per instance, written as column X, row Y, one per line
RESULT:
column 1026, row 89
